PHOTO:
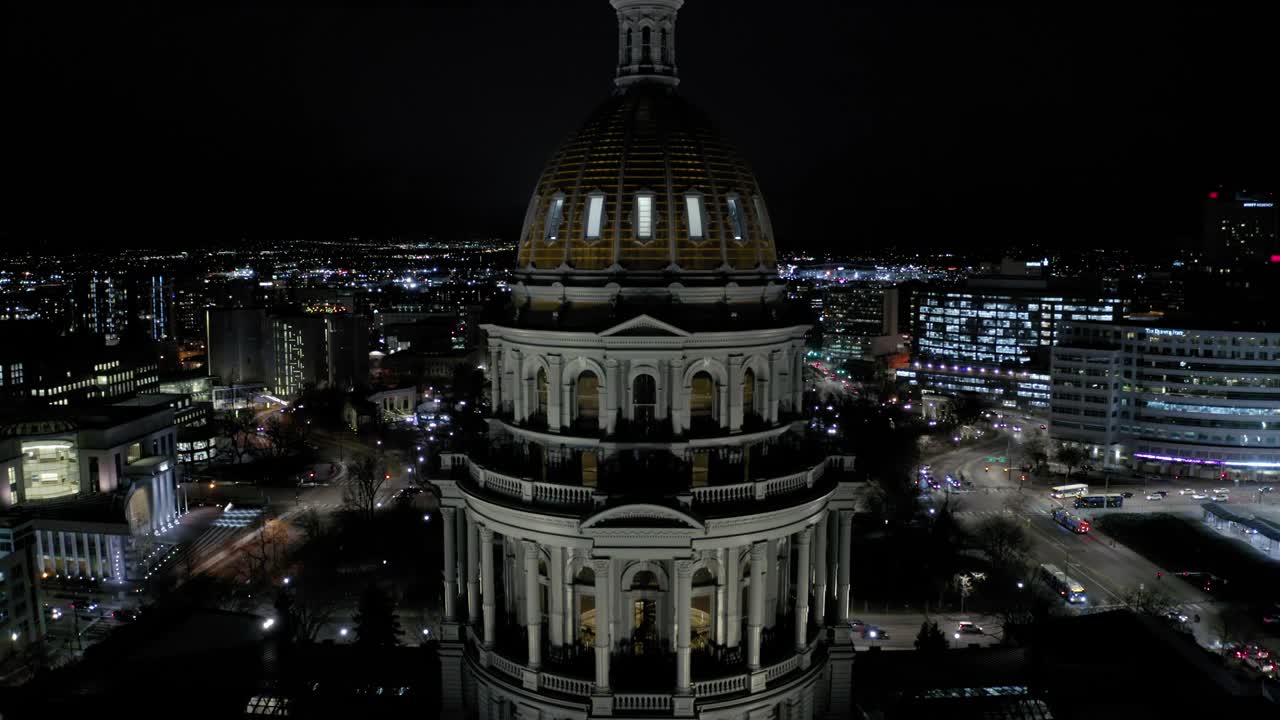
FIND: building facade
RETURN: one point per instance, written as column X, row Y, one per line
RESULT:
column 993, row 337
column 1170, row 398
column 854, row 316
column 647, row 529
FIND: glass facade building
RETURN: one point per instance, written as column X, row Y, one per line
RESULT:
column 993, row 337
column 1170, row 399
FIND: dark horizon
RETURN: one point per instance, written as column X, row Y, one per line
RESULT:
column 942, row 127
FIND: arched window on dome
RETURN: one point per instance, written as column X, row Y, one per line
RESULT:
column 595, row 215
column 737, row 219
column 644, row 217
column 749, row 392
column 555, row 213
column 762, row 216
column 646, row 37
column 697, row 219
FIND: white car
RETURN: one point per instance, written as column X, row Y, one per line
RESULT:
column 1199, row 496
column 1221, row 491
column 1155, row 496
column 1221, row 498
column 1186, row 491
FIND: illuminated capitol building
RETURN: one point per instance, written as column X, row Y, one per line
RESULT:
column 647, row 530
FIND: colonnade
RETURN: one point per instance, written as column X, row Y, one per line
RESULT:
column 781, row 576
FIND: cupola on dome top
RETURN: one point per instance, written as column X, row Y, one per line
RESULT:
column 646, row 193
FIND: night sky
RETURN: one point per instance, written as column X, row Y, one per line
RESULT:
column 899, row 123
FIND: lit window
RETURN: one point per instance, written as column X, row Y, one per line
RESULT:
column 735, row 218
column 554, row 215
column 694, row 205
column 595, row 213
column 762, row 215
column 644, row 217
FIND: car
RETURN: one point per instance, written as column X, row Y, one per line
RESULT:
column 857, row 625
column 1162, row 493
column 1155, row 496
column 1260, row 665
column 1175, row 616
column 1221, row 491
column 1199, row 496
column 1221, row 498
column 1043, row 426
column 969, row 628
column 1016, row 428
column 873, row 632
column 1266, row 488
column 1186, row 491
column 1127, row 495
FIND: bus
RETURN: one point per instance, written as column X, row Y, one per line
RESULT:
column 1071, row 522
column 1109, row 500
column 1062, row 491
column 1068, row 589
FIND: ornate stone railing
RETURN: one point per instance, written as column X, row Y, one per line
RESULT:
column 514, row 669
column 722, row 686
column 773, row 672
column 544, row 493
column 565, row 685
column 643, row 702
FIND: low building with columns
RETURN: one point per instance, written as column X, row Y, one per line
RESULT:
column 649, row 527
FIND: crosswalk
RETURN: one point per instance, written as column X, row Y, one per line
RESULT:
column 223, row 530
column 981, row 513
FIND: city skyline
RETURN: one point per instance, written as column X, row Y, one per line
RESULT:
column 942, row 127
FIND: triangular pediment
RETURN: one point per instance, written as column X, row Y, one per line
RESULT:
column 645, row 325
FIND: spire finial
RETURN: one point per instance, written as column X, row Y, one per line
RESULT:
column 646, row 41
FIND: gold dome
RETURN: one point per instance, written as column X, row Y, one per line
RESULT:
column 646, row 192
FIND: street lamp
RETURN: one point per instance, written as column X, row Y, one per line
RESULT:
column 342, row 632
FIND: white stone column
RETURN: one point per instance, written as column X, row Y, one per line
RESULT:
column 735, row 393
column 39, row 552
column 679, row 398
column 532, row 604
column 516, row 387
column 449, row 565
column 494, row 373
column 609, row 384
column 718, row 627
column 604, row 585
column 797, row 401
column 62, row 551
column 833, row 559
column 486, row 584
column 733, row 599
column 97, row 545
column 555, row 595
column 846, row 552
column 722, row 403
column 755, row 620
column 803, row 577
column 771, row 592
column 554, row 382
column 684, row 629
column 473, row 570
column 820, row 573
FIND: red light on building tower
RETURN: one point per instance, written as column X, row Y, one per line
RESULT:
column 1213, row 194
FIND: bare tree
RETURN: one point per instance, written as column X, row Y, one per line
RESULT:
column 284, row 437
column 367, row 477
column 1147, row 600
column 1070, row 456
column 239, row 433
column 311, row 523
column 262, row 556
column 1004, row 540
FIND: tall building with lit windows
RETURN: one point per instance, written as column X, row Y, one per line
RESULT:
column 993, row 337
column 647, row 529
column 1186, row 397
column 1241, row 225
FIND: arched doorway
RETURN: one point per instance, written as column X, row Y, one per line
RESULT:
column 749, row 393
column 645, row 592
column 644, row 399
column 587, row 401
column 540, row 385
column 702, row 401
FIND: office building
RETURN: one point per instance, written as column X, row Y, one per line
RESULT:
column 854, row 317
column 55, row 369
column 102, row 303
column 287, row 350
column 992, row 337
column 1241, row 225
column 1172, row 396
column 643, row 496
